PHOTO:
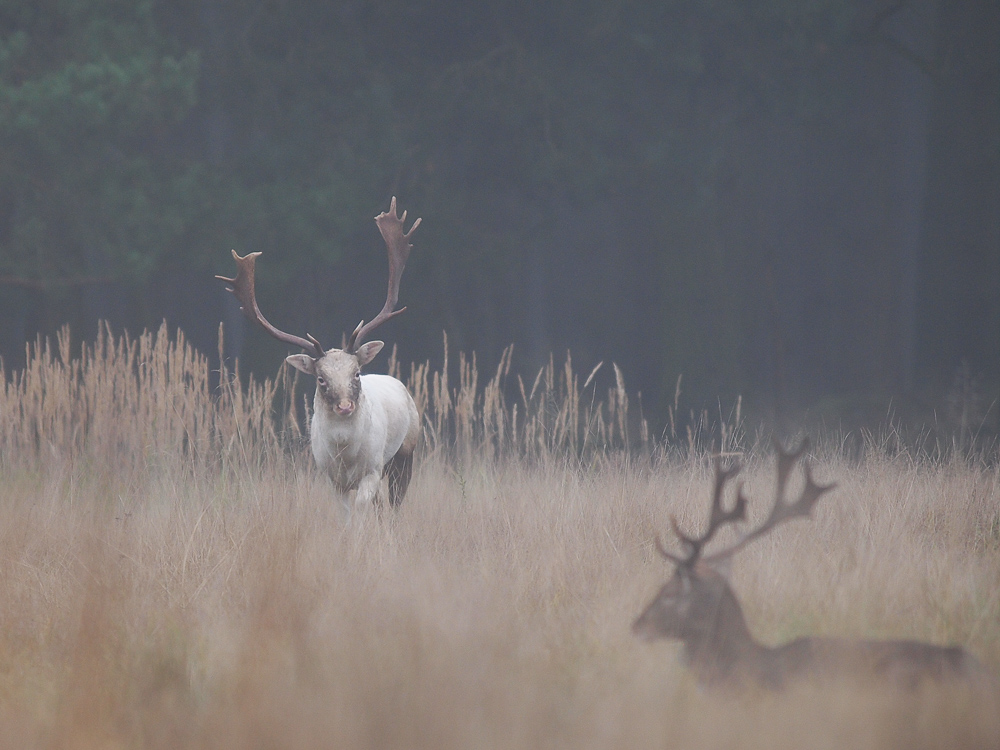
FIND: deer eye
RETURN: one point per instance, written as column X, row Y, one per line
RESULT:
column 357, row 375
column 321, row 380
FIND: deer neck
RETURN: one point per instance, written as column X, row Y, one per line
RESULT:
column 723, row 649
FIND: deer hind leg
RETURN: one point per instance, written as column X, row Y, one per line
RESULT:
column 399, row 470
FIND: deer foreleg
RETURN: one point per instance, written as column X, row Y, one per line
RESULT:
column 368, row 489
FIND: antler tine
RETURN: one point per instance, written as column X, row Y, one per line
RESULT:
column 353, row 341
column 663, row 550
column 398, row 245
column 783, row 510
column 786, row 462
column 718, row 515
column 243, row 288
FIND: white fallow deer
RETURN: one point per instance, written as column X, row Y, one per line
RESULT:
column 363, row 427
column 698, row 608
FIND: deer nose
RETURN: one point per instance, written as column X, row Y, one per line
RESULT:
column 345, row 407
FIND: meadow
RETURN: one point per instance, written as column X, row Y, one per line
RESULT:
column 173, row 573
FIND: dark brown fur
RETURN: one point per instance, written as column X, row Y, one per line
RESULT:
column 399, row 470
column 698, row 607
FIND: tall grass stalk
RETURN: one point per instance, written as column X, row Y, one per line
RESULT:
column 173, row 573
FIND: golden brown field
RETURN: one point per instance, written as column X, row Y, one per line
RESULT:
column 172, row 574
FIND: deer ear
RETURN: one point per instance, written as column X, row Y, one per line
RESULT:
column 366, row 352
column 303, row 363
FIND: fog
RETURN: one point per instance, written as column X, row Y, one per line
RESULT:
column 794, row 205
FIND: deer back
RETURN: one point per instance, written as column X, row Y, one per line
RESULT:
column 899, row 663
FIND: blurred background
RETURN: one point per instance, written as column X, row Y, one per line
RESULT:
column 796, row 202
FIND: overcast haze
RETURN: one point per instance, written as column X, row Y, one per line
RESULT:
column 796, row 202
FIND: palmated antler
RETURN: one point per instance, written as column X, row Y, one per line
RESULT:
column 398, row 245
column 783, row 510
column 243, row 288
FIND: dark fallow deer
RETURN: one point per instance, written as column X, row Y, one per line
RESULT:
column 698, row 608
column 363, row 427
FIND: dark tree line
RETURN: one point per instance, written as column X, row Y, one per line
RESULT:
column 794, row 201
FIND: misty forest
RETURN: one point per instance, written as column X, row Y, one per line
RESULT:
column 795, row 203
column 661, row 244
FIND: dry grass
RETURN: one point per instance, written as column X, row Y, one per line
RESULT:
column 172, row 576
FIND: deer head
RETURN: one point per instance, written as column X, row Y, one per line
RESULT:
column 696, row 605
column 337, row 371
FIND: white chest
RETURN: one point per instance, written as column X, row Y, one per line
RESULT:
column 349, row 448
